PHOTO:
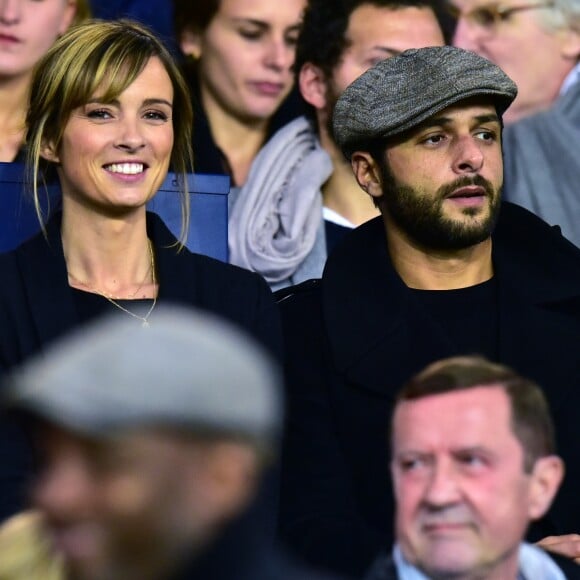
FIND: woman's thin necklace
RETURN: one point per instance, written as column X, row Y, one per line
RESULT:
column 144, row 319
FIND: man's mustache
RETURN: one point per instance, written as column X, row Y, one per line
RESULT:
column 465, row 181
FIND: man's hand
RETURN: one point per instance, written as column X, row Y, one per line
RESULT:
column 567, row 545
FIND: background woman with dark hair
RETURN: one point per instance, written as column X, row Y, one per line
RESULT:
column 239, row 57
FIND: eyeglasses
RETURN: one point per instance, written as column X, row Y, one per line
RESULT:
column 490, row 16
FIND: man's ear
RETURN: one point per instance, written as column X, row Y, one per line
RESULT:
column 48, row 152
column 367, row 173
column 190, row 43
column 312, row 85
column 546, row 477
column 227, row 480
column 570, row 44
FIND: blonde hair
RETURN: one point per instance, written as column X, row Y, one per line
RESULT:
column 103, row 56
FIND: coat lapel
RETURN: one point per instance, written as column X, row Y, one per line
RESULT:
column 43, row 269
column 378, row 340
column 177, row 276
column 368, row 316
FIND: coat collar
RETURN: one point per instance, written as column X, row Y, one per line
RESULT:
column 43, row 268
column 365, row 301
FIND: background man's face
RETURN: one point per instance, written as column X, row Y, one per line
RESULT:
column 463, row 498
column 119, row 506
column 513, row 44
column 442, row 180
column 375, row 33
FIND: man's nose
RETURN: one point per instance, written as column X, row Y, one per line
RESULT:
column 443, row 486
column 468, row 155
column 64, row 490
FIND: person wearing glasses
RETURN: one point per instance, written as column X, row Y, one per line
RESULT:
column 538, row 45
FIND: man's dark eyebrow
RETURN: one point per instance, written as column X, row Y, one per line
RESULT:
column 488, row 118
column 434, row 122
column 442, row 121
column 471, row 449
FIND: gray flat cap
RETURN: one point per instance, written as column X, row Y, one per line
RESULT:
column 188, row 369
column 400, row 92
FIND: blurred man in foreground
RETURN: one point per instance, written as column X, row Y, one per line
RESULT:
column 153, row 443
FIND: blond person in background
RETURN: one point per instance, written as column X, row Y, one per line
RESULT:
column 27, row 30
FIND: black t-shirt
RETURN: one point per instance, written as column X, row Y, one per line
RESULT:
column 469, row 316
column 90, row 305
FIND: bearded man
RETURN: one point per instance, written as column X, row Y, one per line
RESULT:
column 446, row 269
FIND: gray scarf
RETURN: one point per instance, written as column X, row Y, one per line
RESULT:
column 276, row 221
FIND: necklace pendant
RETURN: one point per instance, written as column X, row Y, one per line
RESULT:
column 145, row 324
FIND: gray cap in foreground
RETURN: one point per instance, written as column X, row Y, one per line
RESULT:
column 401, row 92
column 188, row 369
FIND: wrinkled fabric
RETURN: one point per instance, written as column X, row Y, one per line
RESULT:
column 276, row 220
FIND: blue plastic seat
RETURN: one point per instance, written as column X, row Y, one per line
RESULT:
column 208, row 223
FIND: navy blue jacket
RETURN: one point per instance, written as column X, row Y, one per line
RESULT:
column 37, row 306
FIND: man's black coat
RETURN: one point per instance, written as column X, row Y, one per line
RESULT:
column 353, row 338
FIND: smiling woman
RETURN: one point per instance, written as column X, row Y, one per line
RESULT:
column 110, row 113
column 115, row 154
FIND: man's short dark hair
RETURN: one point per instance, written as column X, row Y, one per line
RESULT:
column 531, row 421
column 322, row 39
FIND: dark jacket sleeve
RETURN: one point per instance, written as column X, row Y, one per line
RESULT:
column 16, row 457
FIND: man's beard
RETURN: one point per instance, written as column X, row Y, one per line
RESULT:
column 421, row 216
